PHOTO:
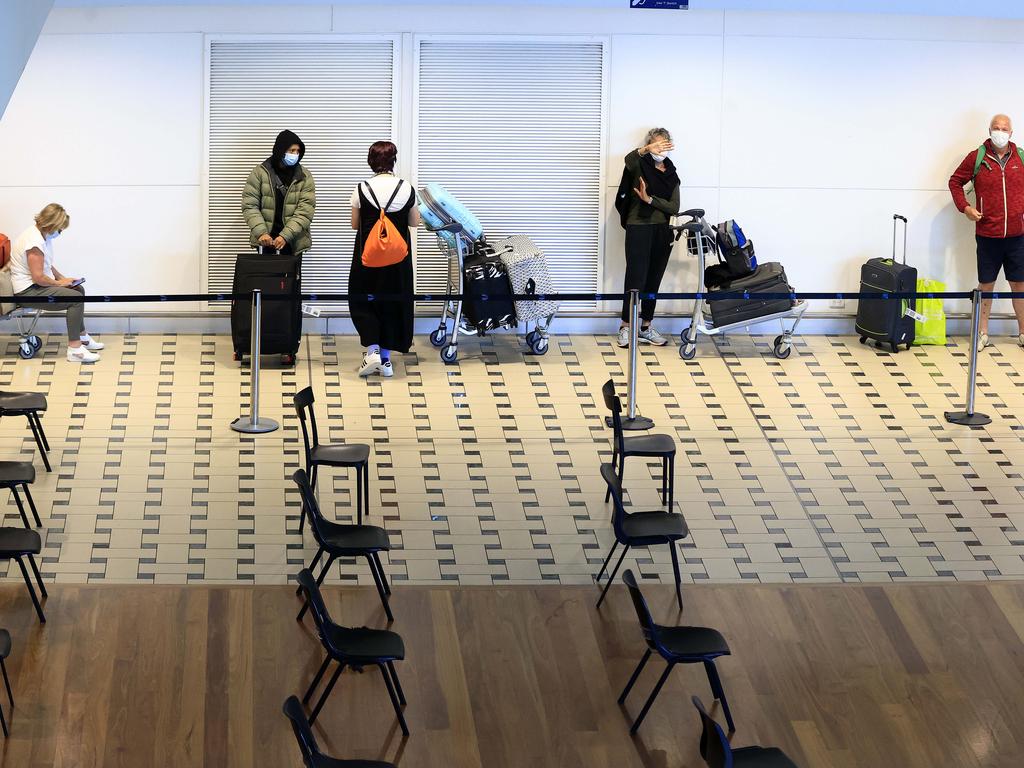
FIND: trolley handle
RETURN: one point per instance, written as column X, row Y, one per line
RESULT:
column 455, row 228
column 693, row 213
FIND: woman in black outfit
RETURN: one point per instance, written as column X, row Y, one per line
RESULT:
column 383, row 326
column 647, row 214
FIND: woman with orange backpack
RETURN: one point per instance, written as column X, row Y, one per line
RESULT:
column 383, row 212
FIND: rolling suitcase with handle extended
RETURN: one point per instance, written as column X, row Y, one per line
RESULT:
column 281, row 321
column 888, row 321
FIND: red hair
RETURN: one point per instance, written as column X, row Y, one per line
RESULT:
column 382, row 156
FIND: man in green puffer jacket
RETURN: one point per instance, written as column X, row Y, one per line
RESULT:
column 279, row 198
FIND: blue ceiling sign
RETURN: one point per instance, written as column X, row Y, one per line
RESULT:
column 669, row 5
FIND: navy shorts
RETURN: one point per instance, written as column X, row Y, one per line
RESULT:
column 996, row 253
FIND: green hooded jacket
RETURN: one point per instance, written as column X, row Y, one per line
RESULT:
column 258, row 203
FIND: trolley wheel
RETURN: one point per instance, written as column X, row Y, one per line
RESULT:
column 26, row 351
column 36, row 342
column 687, row 351
column 449, row 354
column 782, row 350
column 530, row 338
column 439, row 336
column 539, row 345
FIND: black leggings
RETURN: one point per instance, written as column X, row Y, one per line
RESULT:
column 648, row 247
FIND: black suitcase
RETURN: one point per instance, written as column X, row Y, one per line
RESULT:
column 767, row 278
column 281, row 326
column 887, row 321
column 485, row 274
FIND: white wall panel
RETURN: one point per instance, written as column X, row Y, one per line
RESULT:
column 688, row 102
column 108, row 110
column 111, row 243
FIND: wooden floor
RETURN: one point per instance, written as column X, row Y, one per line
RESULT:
column 929, row 675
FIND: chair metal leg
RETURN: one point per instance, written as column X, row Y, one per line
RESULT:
column 312, row 476
column 608, row 493
column 31, row 590
column 394, row 699
column 380, row 589
column 604, row 565
column 319, row 581
column 664, row 481
column 383, row 576
column 635, row 675
column 312, row 567
column 675, row 568
column 39, row 578
column 359, row 496
column 366, row 486
column 39, row 425
column 3, row 723
column 625, row 549
column 316, row 680
column 718, row 691
column 651, row 698
column 398, row 685
column 671, row 482
column 39, row 442
column 21, row 507
column 326, row 693
column 32, row 505
column 7, row 683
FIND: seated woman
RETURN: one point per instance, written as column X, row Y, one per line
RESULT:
column 34, row 274
column 384, row 326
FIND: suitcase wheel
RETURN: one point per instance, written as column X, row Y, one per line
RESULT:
column 449, row 354
column 895, row 348
column 687, row 351
column 236, row 357
column 863, row 339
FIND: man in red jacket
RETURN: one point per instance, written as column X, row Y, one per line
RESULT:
column 997, row 170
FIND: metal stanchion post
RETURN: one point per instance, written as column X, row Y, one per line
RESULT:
column 968, row 417
column 632, row 421
column 253, row 424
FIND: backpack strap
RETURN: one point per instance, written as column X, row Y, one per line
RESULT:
column 979, row 159
column 391, row 199
column 393, row 195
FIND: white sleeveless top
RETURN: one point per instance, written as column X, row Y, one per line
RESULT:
column 383, row 186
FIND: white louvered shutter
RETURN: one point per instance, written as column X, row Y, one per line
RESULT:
column 337, row 95
column 513, row 128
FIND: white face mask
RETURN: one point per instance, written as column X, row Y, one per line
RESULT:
column 291, row 158
column 1000, row 139
column 659, row 158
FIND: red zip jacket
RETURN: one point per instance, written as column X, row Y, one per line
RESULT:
column 999, row 192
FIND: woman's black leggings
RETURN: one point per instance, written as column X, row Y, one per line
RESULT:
column 648, row 247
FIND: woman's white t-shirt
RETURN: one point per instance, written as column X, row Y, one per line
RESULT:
column 383, row 186
column 21, row 275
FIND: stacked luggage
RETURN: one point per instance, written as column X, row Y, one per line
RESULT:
column 737, row 271
column 490, row 273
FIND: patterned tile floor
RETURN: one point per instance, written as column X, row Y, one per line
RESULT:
column 833, row 465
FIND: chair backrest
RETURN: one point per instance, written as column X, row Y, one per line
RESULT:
column 714, row 745
column 311, row 505
column 303, row 733
column 643, row 613
column 618, row 510
column 303, row 402
column 321, row 616
column 614, row 404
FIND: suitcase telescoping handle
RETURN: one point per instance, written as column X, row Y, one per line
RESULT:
column 896, row 217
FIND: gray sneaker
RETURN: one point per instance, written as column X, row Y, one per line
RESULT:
column 623, row 340
column 651, row 336
column 983, row 341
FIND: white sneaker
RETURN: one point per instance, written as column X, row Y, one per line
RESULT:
column 371, row 363
column 1020, row 340
column 386, row 370
column 651, row 336
column 91, row 344
column 81, row 355
column 623, row 339
column 983, row 341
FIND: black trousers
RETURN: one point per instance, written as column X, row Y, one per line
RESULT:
column 648, row 247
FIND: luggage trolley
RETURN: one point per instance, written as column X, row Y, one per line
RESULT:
column 26, row 318
column 457, row 240
column 701, row 241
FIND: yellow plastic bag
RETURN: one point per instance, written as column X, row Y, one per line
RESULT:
column 932, row 329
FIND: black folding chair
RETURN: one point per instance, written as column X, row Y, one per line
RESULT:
column 676, row 645
column 15, row 474
column 355, row 455
column 312, row 757
column 18, row 544
column 640, row 529
column 5, row 651
column 649, row 446
column 343, row 540
column 29, row 405
column 718, row 753
column 352, row 647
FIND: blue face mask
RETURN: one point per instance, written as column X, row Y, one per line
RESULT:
column 292, row 158
column 53, row 236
